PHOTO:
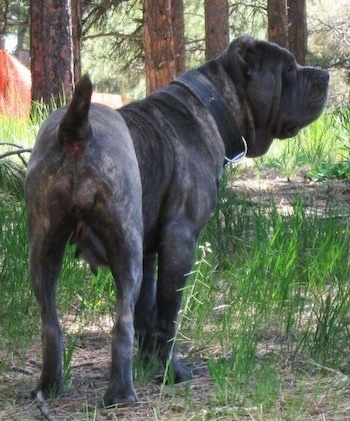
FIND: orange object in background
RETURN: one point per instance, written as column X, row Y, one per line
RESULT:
column 16, row 84
column 15, row 87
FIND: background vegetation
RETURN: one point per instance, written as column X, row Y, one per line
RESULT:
column 112, row 37
column 328, row 41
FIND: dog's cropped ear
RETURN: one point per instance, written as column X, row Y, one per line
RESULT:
column 75, row 122
column 240, row 55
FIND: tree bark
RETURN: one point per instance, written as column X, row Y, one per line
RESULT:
column 76, row 37
column 51, row 50
column 287, row 26
column 158, row 39
column 297, row 34
column 277, row 13
column 216, row 27
column 178, row 27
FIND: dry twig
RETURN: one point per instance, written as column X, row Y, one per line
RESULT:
column 41, row 404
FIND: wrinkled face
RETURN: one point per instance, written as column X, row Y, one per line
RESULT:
column 284, row 95
column 303, row 97
column 281, row 95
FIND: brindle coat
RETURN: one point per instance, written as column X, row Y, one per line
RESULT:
column 133, row 189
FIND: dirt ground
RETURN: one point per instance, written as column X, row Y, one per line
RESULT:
column 91, row 358
column 314, row 194
column 90, row 366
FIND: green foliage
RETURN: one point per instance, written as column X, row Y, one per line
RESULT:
column 17, row 138
column 18, row 311
column 14, row 19
column 329, row 171
column 113, row 39
column 280, row 288
column 248, row 18
column 14, row 154
column 11, row 178
column 316, row 144
column 340, row 169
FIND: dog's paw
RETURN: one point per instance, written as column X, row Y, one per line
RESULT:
column 119, row 397
column 182, row 373
column 177, row 373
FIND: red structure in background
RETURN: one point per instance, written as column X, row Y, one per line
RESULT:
column 15, row 87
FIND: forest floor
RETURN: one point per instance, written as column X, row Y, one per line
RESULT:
column 91, row 359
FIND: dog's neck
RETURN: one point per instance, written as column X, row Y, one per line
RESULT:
column 207, row 94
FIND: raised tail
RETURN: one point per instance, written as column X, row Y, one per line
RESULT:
column 74, row 129
column 74, row 133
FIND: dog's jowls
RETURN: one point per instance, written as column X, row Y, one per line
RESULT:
column 132, row 190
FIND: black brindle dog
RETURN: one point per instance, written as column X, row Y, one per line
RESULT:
column 132, row 189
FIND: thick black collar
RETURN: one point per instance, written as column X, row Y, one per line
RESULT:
column 207, row 94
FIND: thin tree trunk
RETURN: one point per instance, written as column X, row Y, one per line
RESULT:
column 76, row 38
column 216, row 27
column 297, row 34
column 178, row 27
column 277, row 12
column 51, row 50
column 158, row 39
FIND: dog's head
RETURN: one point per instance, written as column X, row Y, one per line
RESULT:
column 282, row 96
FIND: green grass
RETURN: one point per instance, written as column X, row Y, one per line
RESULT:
column 287, row 280
column 321, row 142
column 265, row 313
column 340, row 168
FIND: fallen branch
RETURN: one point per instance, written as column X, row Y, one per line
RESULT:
column 17, row 152
column 11, row 144
column 41, row 404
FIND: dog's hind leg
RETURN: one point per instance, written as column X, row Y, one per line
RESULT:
column 46, row 252
column 123, row 241
column 126, row 267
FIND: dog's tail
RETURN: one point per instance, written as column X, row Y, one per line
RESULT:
column 74, row 129
column 74, row 133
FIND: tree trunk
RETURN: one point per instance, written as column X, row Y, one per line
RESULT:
column 287, row 26
column 277, row 13
column 158, row 39
column 216, row 27
column 51, row 50
column 76, row 38
column 297, row 35
column 178, row 27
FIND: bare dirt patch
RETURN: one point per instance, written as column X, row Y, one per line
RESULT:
column 90, row 370
column 285, row 192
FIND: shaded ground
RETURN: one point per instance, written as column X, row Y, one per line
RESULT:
column 91, row 358
column 89, row 381
column 314, row 194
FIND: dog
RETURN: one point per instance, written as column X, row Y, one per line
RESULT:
column 133, row 188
